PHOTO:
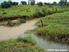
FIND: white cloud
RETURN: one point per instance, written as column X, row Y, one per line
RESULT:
column 50, row 1
column 47, row 1
column 40, row 0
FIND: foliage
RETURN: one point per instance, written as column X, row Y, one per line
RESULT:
column 14, row 3
column 33, row 3
column 40, row 4
column 23, row 2
column 28, row 10
column 61, row 3
column 54, row 3
column 5, row 4
column 27, row 38
column 40, row 13
column 55, row 27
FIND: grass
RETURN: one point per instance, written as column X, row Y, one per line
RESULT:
column 55, row 27
column 28, row 10
column 21, row 44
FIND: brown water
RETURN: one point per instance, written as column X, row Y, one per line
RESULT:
column 13, row 32
column 45, row 44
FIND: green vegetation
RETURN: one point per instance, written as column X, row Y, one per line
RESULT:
column 21, row 44
column 55, row 27
column 8, row 4
column 23, row 3
column 40, row 4
column 28, row 10
column 54, row 24
column 14, row 22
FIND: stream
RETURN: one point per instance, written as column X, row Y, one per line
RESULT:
column 45, row 44
column 12, row 32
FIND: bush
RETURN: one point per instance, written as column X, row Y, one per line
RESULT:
column 29, row 38
column 38, row 14
column 40, row 31
column 4, row 13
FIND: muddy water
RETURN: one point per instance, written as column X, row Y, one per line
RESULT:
column 13, row 32
column 51, row 45
column 47, row 44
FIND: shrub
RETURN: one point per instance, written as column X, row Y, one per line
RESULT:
column 29, row 38
column 41, row 31
column 38, row 14
column 4, row 13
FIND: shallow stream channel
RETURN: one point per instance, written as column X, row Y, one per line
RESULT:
column 48, row 46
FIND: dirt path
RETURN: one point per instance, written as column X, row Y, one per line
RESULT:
column 12, row 32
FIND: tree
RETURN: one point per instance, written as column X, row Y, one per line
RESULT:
column 54, row 3
column 14, row 3
column 33, row 2
column 62, row 3
column 67, row 3
column 45, row 3
column 5, row 4
column 23, row 2
column 10, row 2
column 40, row 4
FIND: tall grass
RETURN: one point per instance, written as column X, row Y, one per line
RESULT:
column 55, row 27
column 21, row 44
column 28, row 10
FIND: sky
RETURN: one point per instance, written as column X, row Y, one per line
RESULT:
column 40, row 0
column 50, row 1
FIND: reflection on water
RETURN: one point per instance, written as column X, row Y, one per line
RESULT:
column 51, row 45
